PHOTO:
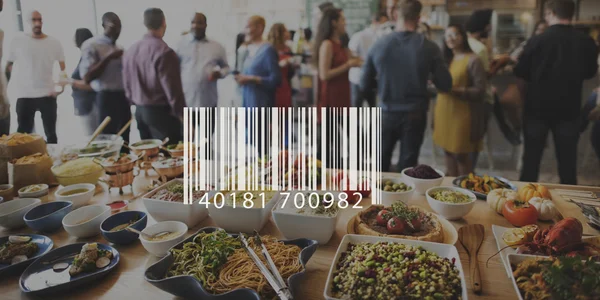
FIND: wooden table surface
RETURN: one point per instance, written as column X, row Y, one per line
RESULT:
column 127, row 280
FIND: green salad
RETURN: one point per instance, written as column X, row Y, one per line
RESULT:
column 450, row 196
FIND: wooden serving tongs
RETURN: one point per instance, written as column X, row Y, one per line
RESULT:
column 471, row 238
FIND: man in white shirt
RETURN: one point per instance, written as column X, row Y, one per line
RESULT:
column 360, row 43
column 203, row 63
column 30, row 62
column 4, row 103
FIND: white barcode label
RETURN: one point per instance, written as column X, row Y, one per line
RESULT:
column 282, row 149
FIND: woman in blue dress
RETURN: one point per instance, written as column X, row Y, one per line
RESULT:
column 259, row 79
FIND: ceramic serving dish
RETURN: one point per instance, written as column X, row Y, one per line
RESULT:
column 457, row 180
column 47, row 217
column 161, row 248
column 190, row 288
column 451, row 211
column 123, row 237
column 39, row 278
column 239, row 218
column 293, row 224
column 162, row 210
column 85, row 221
column 12, row 212
column 422, row 185
column 442, row 250
column 389, row 198
column 79, row 199
column 44, row 243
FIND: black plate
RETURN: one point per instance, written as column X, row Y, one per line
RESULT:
column 191, row 288
column 457, row 180
column 42, row 270
column 44, row 243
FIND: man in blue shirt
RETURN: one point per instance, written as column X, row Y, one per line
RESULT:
column 101, row 67
column 400, row 64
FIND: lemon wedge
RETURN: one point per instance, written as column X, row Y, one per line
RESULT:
column 514, row 236
column 530, row 231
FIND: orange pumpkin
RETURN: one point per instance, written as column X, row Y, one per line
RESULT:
column 534, row 190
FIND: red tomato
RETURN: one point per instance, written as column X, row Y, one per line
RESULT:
column 395, row 225
column 352, row 197
column 383, row 217
column 519, row 213
column 416, row 224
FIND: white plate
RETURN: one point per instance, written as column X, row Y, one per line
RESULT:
column 442, row 250
column 498, row 232
column 516, row 259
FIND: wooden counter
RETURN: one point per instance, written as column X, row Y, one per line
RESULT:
column 128, row 278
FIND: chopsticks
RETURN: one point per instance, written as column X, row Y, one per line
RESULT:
column 272, row 276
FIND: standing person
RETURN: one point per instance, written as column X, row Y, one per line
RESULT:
column 4, row 103
column 241, row 52
column 344, row 37
column 458, row 114
column 152, row 79
column 555, row 64
column 203, row 63
column 102, row 68
column 360, row 43
column 277, row 38
column 84, row 97
column 540, row 27
column 403, row 90
column 259, row 79
column 260, row 76
column 29, row 64
column 333, row 61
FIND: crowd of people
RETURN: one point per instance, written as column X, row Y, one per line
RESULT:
column 392, row 64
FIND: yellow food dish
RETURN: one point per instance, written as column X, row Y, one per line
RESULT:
column 78, row 167
column 74, row 192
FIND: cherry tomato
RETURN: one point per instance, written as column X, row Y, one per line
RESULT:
column 519, row 213
column 383, row 217
column 395, row 225
column 416, row 224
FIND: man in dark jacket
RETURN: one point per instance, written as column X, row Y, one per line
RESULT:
column 400, row 64
column 555, row 64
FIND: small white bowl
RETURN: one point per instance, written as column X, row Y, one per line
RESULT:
column 294, row 225
column 389, row 198
column 12, row 212
column 241, row 219
column 38, row 194
column 80, row 199
column 422, row 185
column 85, row 221
column 451, row 211
column 161, row 248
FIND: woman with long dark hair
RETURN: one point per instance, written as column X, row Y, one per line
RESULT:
column 458, row 116
column 277, row 37
column 333, row 62
column 84, row 97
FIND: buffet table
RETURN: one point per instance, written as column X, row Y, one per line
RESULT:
column 128, row 279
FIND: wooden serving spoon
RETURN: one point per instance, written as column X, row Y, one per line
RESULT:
column 471, row 237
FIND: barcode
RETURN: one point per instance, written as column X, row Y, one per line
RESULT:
column 282, row 149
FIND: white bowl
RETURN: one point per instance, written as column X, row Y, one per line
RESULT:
column 160, row 210
column 240, row 219
column 39, row 194
column 442, row 250
column 161, row 248
column 422, row 185
column 389, row 198
column 451, row 211
column 294, row 225
column 12, row 212
column 80, row 199
column 85, row 221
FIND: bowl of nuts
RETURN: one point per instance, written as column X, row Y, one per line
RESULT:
column 394, row 190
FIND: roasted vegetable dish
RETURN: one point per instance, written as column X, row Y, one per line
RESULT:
column 89, row 259
column 394, row 271
column 482, row 184
column 558, row 278
column 13, row 251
